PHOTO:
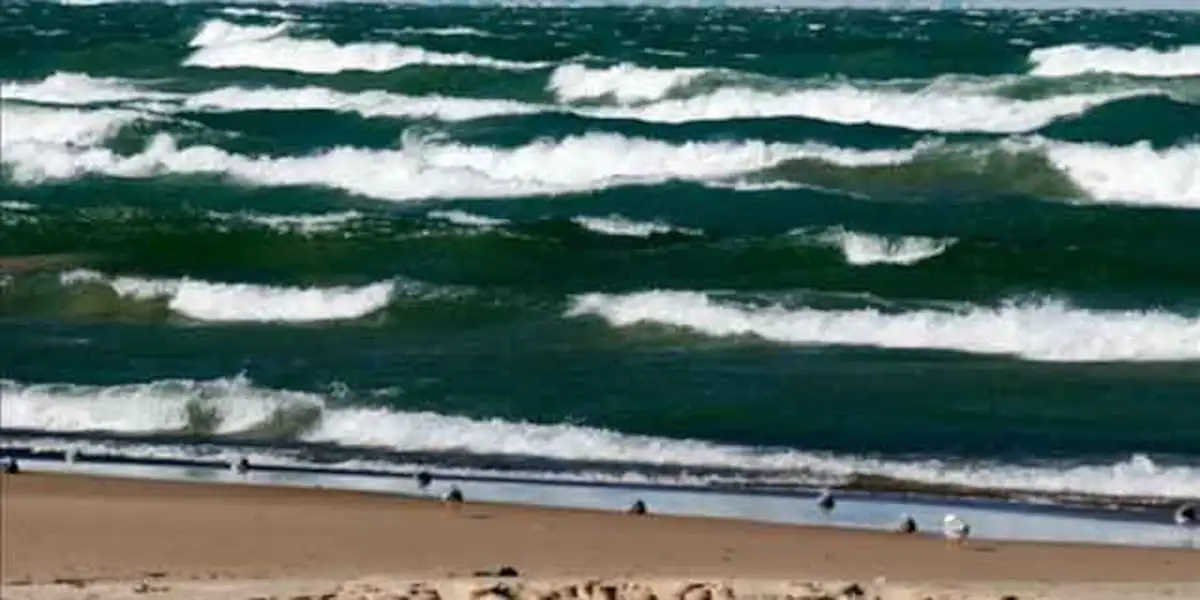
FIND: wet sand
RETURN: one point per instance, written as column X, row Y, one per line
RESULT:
column 114, row 538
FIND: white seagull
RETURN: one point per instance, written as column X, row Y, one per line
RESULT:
column 955, row 529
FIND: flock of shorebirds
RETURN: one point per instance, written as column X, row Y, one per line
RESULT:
column 954, row 529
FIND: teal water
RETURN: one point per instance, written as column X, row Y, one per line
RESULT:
column 690, row 245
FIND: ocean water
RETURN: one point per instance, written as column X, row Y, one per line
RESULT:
column 699, row 246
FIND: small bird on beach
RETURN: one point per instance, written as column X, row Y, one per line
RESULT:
column 10, row 466
column 638, row 508
column 955, row 529
column 908, row 525
column 454, row 496
column 826, row 500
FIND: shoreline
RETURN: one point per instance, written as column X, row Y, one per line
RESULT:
column 119, row 531
column 856, row 510
column 1093, row 506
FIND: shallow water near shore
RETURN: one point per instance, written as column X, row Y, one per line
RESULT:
column 988, row 520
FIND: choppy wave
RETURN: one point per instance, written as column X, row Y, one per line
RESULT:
column 227, row 407
column 642, row 94
column 424, row 169
column 459, row 217
column 1078, row 59
column 625, row 83
column 223, row 45
column 620, row 226
column 866, row 249
column 34, row 150
column 660, row 96
column 368, row 104
column 305, row 224
column 240, row 302
column 31, row 126
column 1042, row 331
column 66, row 88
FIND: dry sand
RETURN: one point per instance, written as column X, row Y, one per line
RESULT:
column 115, row 538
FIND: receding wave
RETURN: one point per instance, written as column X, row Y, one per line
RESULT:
column 234, row 408
column 1051, row 331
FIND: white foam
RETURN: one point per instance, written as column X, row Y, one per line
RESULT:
column 217, row 32
column 18, row 206
column 932, row 109
column 1136, row 174
column 76, row 89
column 142, row 407
column 305, row 223
column 242, row 302
column 467, row 219
column 257, row 12
column 374, row 103
column 626, row 83
column 424, row 169
column 616, row 225
column 229, row 46
column 868, row 249
column 1047, row 331
column 240, row 406
column 1077, row 59
column 447, row 31
column 27, row 128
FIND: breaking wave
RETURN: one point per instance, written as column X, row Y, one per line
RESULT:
column 227, row 407
column 241, row 302
column 223, row 45
column 1050, row 331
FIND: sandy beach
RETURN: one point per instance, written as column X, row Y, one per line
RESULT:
column 74, row 536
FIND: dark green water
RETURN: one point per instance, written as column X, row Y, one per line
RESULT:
column 795, row 246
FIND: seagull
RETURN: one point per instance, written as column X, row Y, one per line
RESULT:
column 955, row 529
column 826, row 501
column 908, row 524
column 424, row 478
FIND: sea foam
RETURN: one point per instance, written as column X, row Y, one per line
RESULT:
column 1050, row 331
